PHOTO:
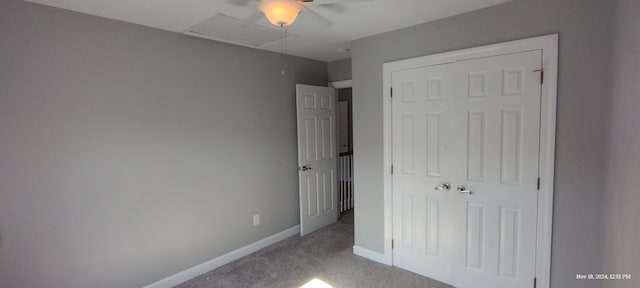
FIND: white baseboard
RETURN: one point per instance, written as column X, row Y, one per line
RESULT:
column 371, row 255
column 205, row 267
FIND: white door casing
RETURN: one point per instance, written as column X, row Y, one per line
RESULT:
column 317, row 161
column 496, row 148
column 422, row 131
column 507, row 267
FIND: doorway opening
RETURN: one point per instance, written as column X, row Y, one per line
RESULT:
column 345, row 151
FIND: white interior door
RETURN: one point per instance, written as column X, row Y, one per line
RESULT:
column 423, row 170
column 316, row 110
column 498, row 157
column 473, row 124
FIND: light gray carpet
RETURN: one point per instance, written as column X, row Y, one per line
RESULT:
column 325, row 255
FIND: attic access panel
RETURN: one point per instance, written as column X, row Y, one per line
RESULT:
column 228, row 29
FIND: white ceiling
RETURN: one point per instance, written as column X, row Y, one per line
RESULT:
column 356, row 20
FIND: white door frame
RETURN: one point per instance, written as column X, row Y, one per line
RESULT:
column 343, row 84
column 549, row 46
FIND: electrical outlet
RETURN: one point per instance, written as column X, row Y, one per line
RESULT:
column 256, row 220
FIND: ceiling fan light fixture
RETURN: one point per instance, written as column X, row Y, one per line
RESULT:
column 281, row 12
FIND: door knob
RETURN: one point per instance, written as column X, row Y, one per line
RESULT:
column 445, row 186
column 305, row 168
column 463, row 190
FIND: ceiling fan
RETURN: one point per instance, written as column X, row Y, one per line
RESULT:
column 284, row 12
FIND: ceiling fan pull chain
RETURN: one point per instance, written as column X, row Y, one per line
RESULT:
column 283, row 47
column 286, row 44
column 282, row 38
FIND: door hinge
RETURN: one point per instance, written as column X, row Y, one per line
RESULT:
column 391, row 92
column 391, row 169
column 538, row 183
column 392, row 244
column 541, row 75
column 535, row 282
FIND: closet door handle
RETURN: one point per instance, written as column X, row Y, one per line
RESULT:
column 463, row 190
column 445, row 186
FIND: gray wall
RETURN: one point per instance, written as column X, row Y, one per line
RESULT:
column 584, row 28
column 339, row 70
column 128, row 154
column 622, row 199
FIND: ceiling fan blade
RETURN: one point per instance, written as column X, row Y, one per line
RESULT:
column 314, row 16
column 325, row 2
column 239, row 2
column 253, row 18
column 335, row 8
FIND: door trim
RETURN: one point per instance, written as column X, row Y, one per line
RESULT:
column 549, row 46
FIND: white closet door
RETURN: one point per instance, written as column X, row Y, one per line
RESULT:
column 422, row 127
column 496, row 165
column 475, row 125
